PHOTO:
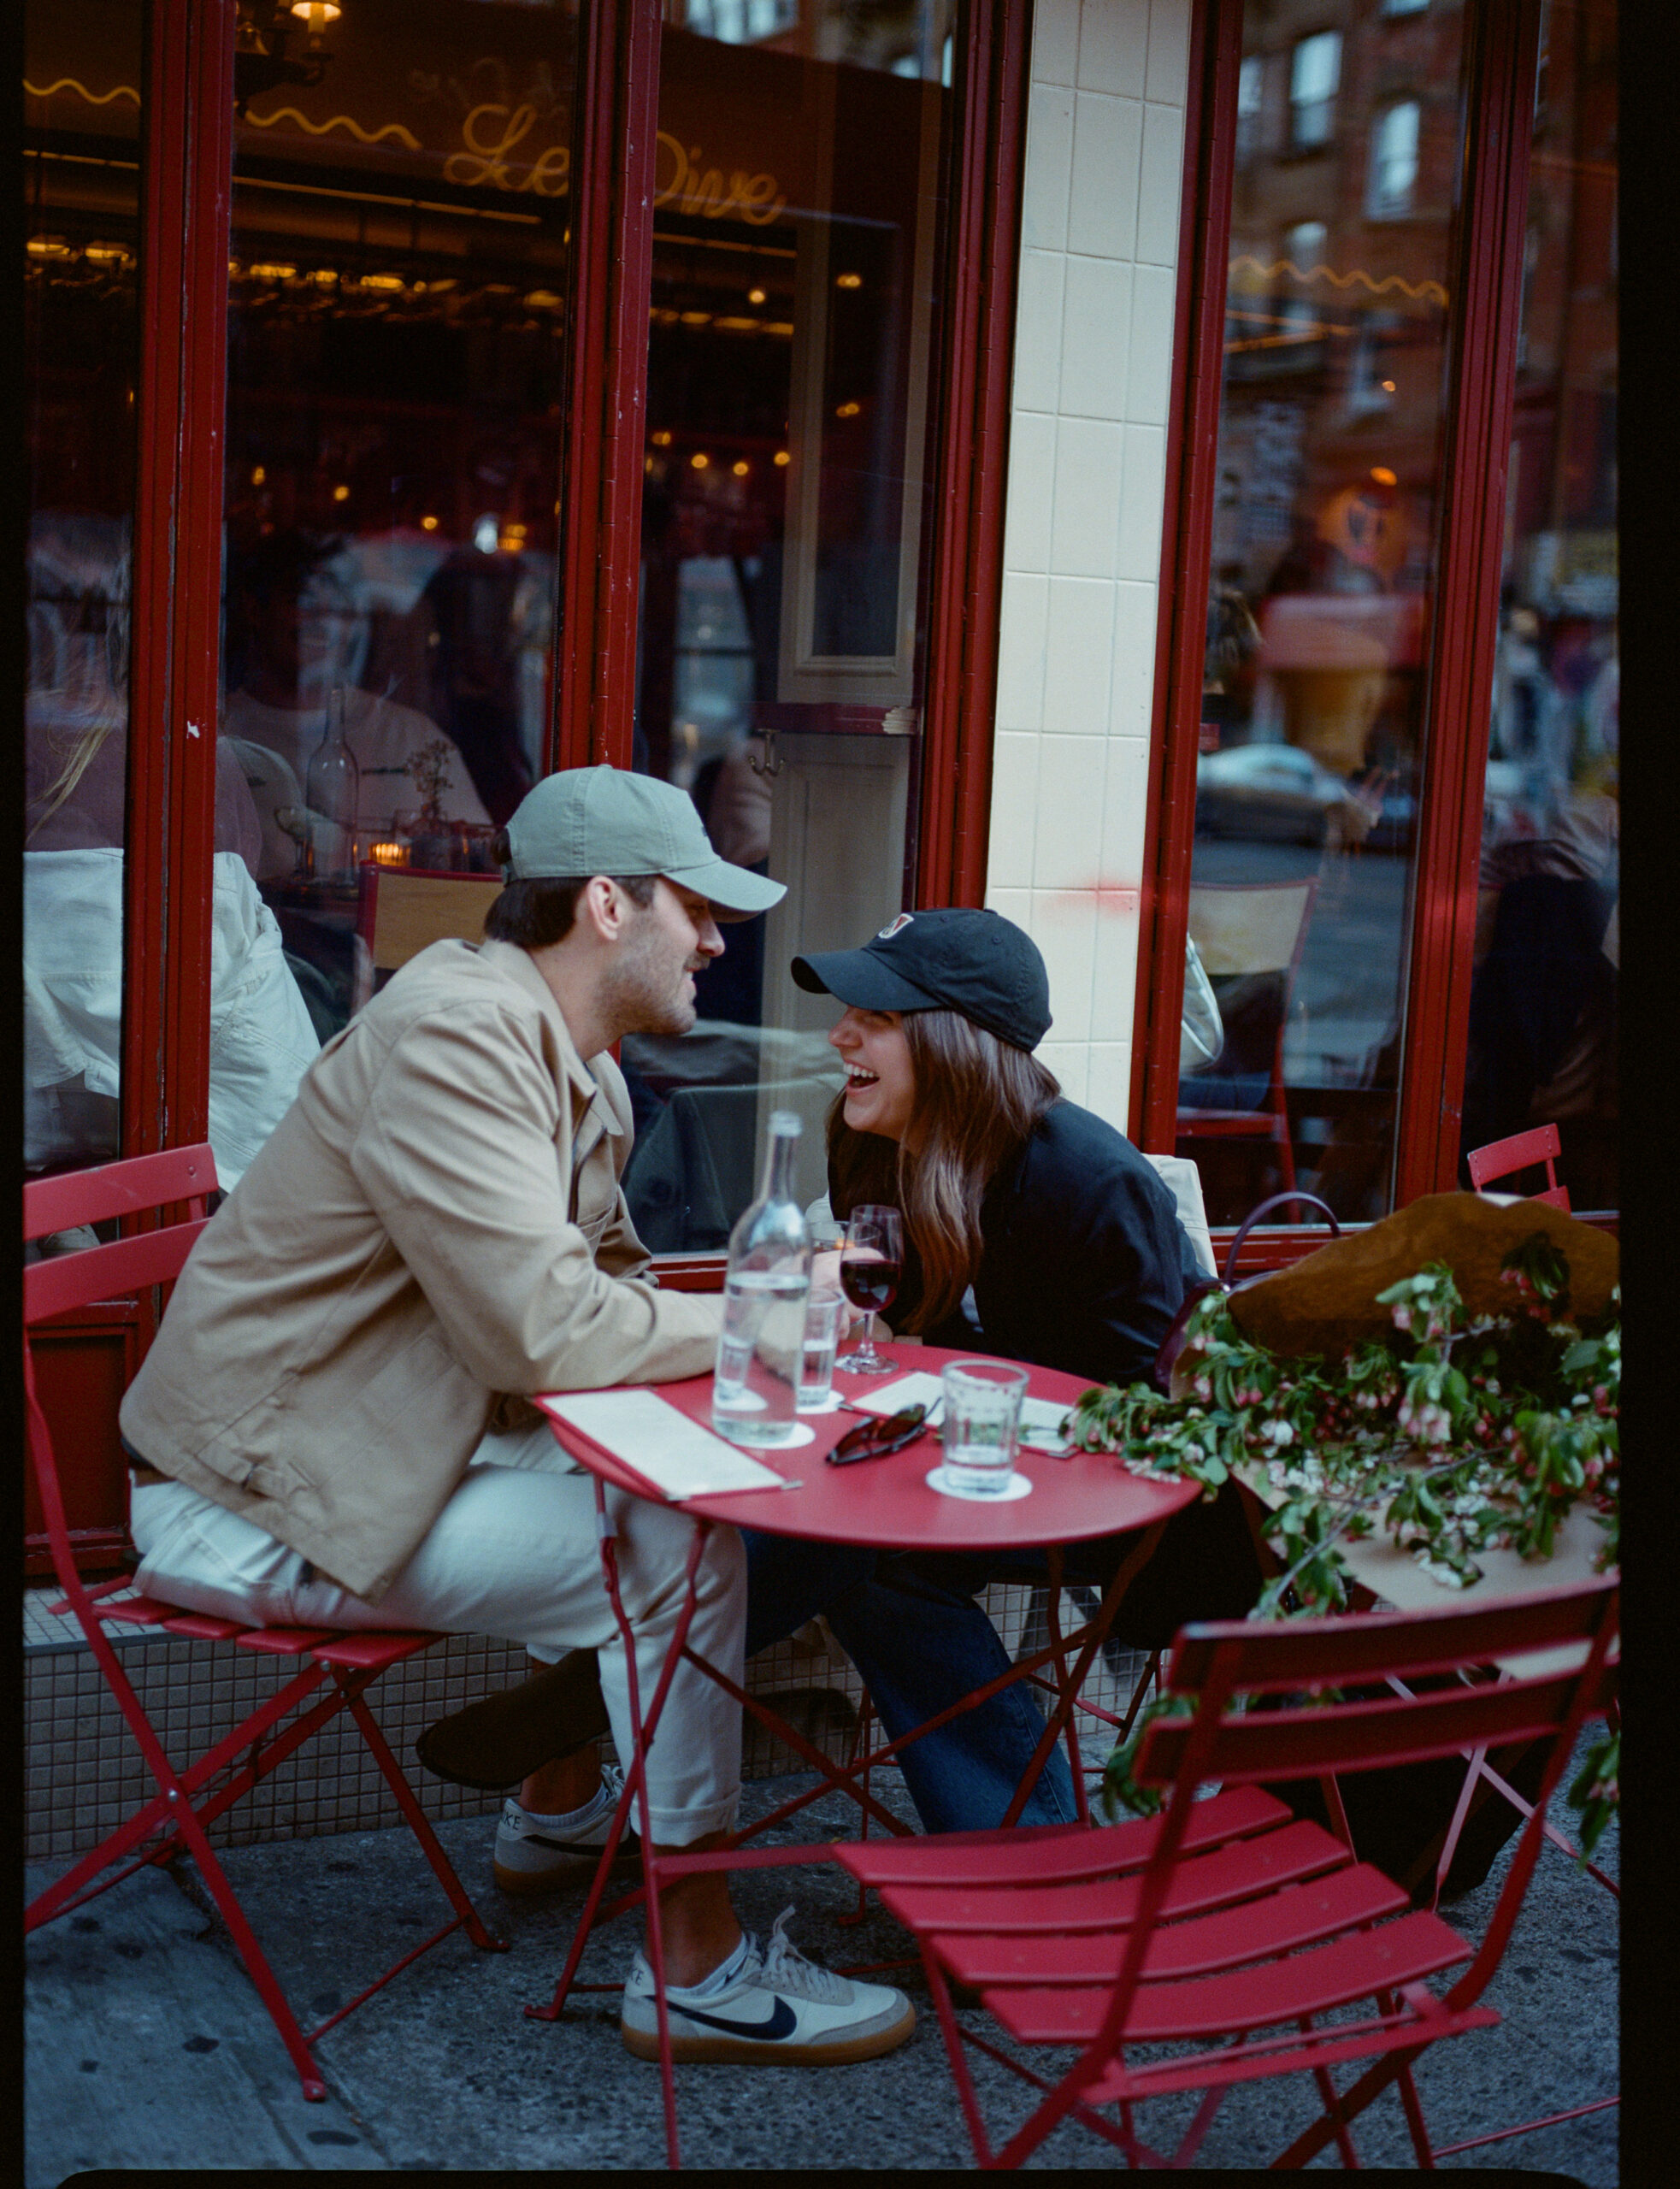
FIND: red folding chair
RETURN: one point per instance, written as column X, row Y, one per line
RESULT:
column 1226, row 1924
column 173, row 1822
column 1502, row 1159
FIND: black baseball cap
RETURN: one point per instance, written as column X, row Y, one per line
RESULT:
column 977, row 962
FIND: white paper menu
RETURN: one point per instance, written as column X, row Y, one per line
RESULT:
column 667, row 1447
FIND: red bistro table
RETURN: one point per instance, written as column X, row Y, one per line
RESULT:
column 884, row 1504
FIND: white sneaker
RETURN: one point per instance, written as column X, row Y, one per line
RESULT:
column 781, row 2009
column 531, row 1857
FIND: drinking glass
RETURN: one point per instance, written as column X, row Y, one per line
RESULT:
column 980, row 1426
column 823, row 1313
column 871, row 1260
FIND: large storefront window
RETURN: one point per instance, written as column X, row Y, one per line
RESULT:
column 82, row 76
column 1325, row 545
column 401, row 200
column 785, row 514
column 1543, row 1012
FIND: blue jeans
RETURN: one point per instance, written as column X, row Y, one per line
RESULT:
column 918, row 1645
column 911, row 1626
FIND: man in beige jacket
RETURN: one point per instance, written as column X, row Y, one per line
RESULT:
column 334, row 1426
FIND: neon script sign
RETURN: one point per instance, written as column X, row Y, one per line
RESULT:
column 492, row 132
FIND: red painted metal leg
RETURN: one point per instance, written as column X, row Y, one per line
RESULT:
column 860, row 1745
column 1052, row 1610
column 1327, row 2092
column 1212, row 2101
column 442, row 1868
column 642, row 1731
column 1551, row 2120
column 941, row 1994
column 1096, row 1633
column 174, row 1804
column 255, row 1960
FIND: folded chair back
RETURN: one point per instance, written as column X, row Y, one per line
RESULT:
column 142, row 1186
column 1215, row 1664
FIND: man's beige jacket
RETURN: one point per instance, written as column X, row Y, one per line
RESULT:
column 434, row 1232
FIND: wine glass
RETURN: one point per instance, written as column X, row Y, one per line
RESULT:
column 871, row 1259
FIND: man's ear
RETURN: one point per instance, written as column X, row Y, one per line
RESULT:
column 605, row 906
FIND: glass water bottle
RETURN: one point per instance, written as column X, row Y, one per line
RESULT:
column 769, row 1277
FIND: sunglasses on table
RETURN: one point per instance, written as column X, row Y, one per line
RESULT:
column 874, row 1440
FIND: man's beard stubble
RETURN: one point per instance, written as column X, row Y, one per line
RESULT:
column 642, row 992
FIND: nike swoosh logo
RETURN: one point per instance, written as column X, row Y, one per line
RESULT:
column 780, row 2023
column 574, row 1846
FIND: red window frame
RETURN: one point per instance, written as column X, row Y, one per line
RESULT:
column 1502, row 43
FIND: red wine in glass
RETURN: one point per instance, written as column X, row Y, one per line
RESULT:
column 871, row 1261
column 869, row 1286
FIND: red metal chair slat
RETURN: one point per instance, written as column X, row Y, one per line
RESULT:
column 203, row 1626
column 1522, row 1151
column 1233, row 1872
column 1182, row 1948
column 131, row 1611
column 1303, row 1744
column 52, row 1288
column 340, row 1667
column 1296, row 1651
column 1054, row 1853
column 283, row 1641
column 1279, row 1922
column 1312, row 1983
column 373, row 1652
column 134, row 1187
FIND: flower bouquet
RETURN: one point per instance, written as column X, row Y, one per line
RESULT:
column 1463, row 1426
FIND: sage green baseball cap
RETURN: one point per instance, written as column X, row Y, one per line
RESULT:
column 604, row 820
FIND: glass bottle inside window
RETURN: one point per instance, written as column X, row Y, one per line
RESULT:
column 332, row 792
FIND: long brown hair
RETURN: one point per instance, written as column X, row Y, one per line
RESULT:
column 977, row 1100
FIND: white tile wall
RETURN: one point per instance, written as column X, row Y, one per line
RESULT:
column 1083, row 534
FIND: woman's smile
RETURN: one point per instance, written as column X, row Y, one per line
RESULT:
column 879, row 1092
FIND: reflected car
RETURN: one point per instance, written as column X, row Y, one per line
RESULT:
column 1277, row 791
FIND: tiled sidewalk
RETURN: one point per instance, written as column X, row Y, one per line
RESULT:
column 146, row 2046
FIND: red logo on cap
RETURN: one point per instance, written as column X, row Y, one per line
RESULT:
column 888, row 933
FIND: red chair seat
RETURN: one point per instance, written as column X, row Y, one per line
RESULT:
column 1279, row 1991
column 1303, row 1915
column 1218, row 1880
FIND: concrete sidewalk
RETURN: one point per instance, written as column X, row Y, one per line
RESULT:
column 146, row 2046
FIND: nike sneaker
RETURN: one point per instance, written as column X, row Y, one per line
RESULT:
column 532, row 1856
column 779, row 2009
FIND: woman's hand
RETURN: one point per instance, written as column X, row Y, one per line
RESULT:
column 825, row 1277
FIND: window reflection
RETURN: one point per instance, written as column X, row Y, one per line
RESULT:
column 784, row 511
column 80, row 167
column 1323, row 567
column 395, row 341
column 1543, row 998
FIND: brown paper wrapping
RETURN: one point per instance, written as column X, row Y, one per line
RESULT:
column 1329, row 1302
